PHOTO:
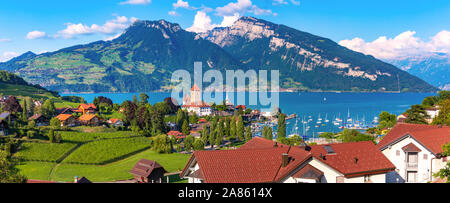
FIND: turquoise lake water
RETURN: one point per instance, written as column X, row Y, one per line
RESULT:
column 360, row 106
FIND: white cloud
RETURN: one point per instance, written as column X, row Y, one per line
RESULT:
column 36, row 35
column 297, row 3
column 113, row 37
column 173, row 13
column 6, row 56
column 110, row 27
column 136, row 2
column 5, row 40
column 405, row 44
column 182, row 4
column 279, row 2
column 229, row 20
column 202, row 23
column 241, row 7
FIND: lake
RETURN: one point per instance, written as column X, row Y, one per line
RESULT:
column 361, row 107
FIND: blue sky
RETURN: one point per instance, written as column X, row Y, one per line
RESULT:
column 48, row 25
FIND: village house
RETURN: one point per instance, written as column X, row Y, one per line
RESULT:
column 402, row 118
column 433, row 112
column 87, row 109
column 67, row 120
column 265, row 161
column 115, row 122
column 8, row 117
column 89, row 120
column 195, row 104
column 416, row 151
column 40, row 120
column 148, row 171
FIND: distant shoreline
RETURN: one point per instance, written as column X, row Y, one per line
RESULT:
column 387, row 92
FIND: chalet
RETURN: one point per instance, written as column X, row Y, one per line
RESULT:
column 87, row 108
column 359, row 162
column 416, row 151
column 67, row 120
column 37, row 103
column 402, row 118
column 8, row 117
column 3, row 128
column 89, row 120
column 40, row 120
column 195, row 104
column 115, row 122
column 147, row 171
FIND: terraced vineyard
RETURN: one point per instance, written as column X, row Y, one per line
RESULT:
column 99, row 154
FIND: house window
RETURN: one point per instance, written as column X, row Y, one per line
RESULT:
column 425, row 156
column 367, row 178
column 398, row 152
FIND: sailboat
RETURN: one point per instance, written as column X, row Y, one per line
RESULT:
column 326, row 120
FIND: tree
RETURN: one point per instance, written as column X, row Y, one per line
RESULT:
column 387, row 120
column 417, row 115
column 270, row 133
column 212, row 134
column 281, row 129
column 180, row 118
column 444, row 114
column 55, row 122
column 198, row 145
column 348, row 135
column 204, row 134
column 429, row 101
column 162, row 144
column 51, row 136
column 48, row 109
column 24, row 111
column 185, row 128
column 248, row 134
column 240, row 128
column 233, row 128
column 8, row 171
column 29, row 105
column 143, row 98
column 294, row 140
column 219, row 134
column 58, row 137
column 188, row 143
column 445, row 171
column 129, row 111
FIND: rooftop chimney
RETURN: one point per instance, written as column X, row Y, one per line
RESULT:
column 284, row 160
column 356, row 160
column 276, row 144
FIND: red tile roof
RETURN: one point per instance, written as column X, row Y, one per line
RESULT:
column 308, row 172
column 39, row 181
column 176, row 134
column 433, row 139
column 259, row 160
column 243, row 107
column 430, row 136
column 87, row 106
column 400, row 130
column 87, row 117
column 200, row 104
column 354, row 159
column 247, row 166
column 63, row 117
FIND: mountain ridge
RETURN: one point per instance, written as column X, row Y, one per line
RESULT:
column 145, row 55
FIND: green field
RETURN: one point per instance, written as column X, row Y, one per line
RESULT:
column 33, row 151
column 104, row 151
column 119, row 149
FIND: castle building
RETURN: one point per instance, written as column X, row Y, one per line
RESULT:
column 195, row 104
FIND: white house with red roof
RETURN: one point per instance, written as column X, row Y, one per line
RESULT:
column 195, row 104
column 416, row 151
column 264, row 161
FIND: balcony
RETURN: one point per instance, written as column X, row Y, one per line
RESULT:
column 411, row 166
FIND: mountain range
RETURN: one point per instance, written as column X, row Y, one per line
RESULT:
column 433, row 68
column 144, row 56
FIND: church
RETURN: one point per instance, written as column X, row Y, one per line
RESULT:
column 195, row 104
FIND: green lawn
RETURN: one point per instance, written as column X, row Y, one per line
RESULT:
column 33, row 151
column 104, row 151
column 36, row 170
column 111, row 172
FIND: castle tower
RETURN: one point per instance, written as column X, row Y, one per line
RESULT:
column 196, row 95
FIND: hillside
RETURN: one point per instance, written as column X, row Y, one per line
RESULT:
column 10, row 84
column 145, row 55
